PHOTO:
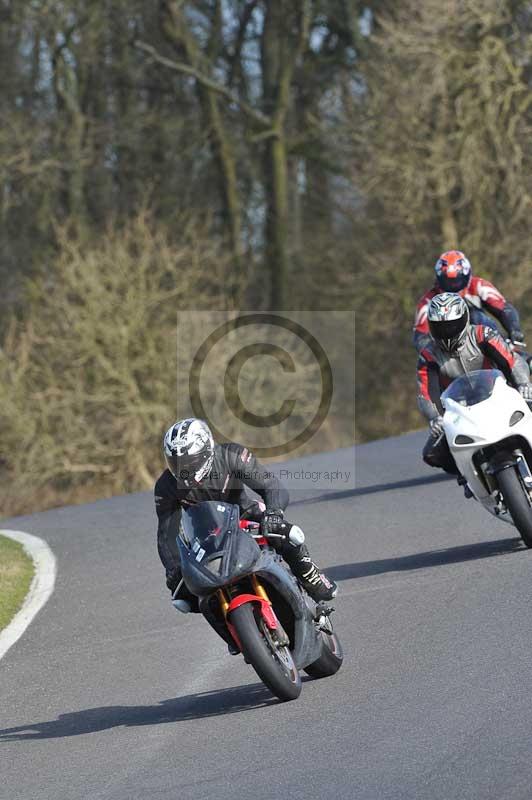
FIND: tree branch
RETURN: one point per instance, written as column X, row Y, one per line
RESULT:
column 177, row 66
column 245, row 20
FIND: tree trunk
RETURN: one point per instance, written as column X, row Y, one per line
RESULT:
column 284, row 36
column 276, row 185
column 176, row 30
column 227, row 178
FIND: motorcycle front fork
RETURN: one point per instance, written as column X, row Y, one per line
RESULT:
column 258, row 588
column 278, row 633
column 525, row 474
column 524, row 471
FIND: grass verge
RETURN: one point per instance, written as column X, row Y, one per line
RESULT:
column 16, row 572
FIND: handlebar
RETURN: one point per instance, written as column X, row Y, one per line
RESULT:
column 519, row 347
column 249, row 525
column 253, row 528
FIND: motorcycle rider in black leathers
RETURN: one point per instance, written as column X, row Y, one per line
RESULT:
column 457, row 347
column 199, row 470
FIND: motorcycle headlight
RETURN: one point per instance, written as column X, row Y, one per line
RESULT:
column 214, row 565
column 461, row 439
column 516, row 417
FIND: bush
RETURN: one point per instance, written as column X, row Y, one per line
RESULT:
column 92, row 374
column 88, row 376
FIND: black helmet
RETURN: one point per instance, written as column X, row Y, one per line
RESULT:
column 448, row 317
column 189, row 450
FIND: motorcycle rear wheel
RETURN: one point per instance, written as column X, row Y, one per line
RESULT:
column 274, row 665
column 517, row 501
column 330, row 659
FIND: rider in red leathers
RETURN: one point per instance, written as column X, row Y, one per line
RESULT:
column 457, row 347
column 453, row 274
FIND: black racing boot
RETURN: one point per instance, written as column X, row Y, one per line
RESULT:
column 315, row 583
column 183, row 600
column 461, row 481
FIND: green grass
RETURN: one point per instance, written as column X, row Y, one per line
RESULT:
column 16, row 572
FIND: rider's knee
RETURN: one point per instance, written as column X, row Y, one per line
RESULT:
column 430, row 457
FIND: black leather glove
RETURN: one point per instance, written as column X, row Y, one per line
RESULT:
column 271, row 521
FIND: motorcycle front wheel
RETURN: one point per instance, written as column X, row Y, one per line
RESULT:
column 517, row 501
column 273, row 664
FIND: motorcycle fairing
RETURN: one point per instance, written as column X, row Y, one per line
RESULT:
column 212, row 549
column 485, row 422
column 213, row 533
column 306, row 647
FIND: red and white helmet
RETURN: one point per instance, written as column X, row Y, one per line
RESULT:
column 448, row 317
column 189, row 450
column 453, row 271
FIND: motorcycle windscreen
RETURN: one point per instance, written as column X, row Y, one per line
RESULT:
column 207, row 524
column 213, row 549
column 473, row 387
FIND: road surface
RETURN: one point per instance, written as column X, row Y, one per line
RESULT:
column 111, row 695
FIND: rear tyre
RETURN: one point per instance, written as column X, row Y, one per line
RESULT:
column 331, row 657
column 274, row 665
column 517, row 501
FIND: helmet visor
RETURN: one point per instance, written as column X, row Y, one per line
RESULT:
column 448, row 333
column 187, row 466
column 454, row 284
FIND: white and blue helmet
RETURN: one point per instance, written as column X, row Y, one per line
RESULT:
column 189, row 450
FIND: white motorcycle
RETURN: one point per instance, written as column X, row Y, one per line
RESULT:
column 488, row 426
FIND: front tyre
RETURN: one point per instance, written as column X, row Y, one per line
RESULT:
column 517, row 501
column 273, row 664
column 330, row 659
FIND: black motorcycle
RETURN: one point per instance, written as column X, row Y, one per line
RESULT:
column 253, row 601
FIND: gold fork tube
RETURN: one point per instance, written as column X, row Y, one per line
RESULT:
column 259, row 589
column 224, row 603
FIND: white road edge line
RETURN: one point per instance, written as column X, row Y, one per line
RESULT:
column 40, row 589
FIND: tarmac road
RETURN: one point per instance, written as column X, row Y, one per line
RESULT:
column 111, row 695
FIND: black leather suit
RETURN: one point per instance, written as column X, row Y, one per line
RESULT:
column 234, row 468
